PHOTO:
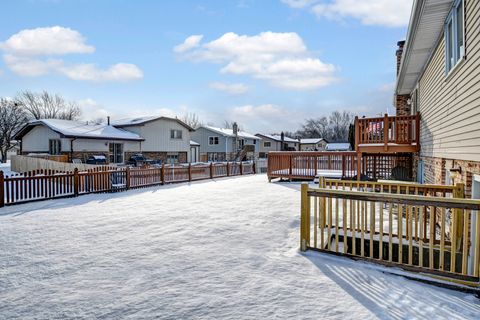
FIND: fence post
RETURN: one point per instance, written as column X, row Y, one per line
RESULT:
column 304, row 218
column 2, row 191
column 254, row 169
column 211, row 170
column 127, row 178
column 190, row 172
column 228, row 169
column 241, row 168
column 162, row 174
column 75, row 182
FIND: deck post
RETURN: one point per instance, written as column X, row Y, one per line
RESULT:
column 417, row 131
column 290, row 159
column 75, row 182
column 127, row 178
column 304, row 218
column 228, row 169
column 254, row 168
column 2, row 191
column 241, row 168
column 189, row 171
column 211, row 170
column 357, row 133
column 385, row 132
column 458, row 192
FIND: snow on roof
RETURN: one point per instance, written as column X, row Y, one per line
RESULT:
column 338, row 147
column 81, row 129
column 133, row 121
column 277, row 137
column 311, row 140
column 229, row 132
column 193, row 143
column 141, row 120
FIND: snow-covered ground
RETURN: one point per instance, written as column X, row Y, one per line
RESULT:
column 226, row 248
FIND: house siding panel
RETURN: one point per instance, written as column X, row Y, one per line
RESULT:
column 450, row 105
column 37, row 140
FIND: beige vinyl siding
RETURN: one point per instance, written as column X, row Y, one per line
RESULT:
column 450, row 104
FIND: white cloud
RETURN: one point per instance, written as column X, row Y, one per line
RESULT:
column 266, row 118
column 231, row 88
column 89, row 72
column 282, row 59
column 298, row 4
column 46, row 41
column 389, row 13
column 31, row 53
column 189, row 43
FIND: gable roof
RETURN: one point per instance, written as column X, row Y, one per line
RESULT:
column 140, row 121
column 276, row 137
column 80, row 129
column 424, row 31
column 229, row 132
column 311, row 140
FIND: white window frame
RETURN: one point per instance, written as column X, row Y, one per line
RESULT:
column 113, row 152
column 451, row 39
column 213, row 139
column 176, row 134
column 269, row 144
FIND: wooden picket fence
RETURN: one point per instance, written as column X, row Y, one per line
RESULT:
column 404, row 229
column 48, row 184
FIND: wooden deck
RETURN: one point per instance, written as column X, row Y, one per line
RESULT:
column 387, row 134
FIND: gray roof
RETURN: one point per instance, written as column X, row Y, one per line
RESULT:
column 80, row 129
column 138, row 121
column 229, row 132
column 276, row 137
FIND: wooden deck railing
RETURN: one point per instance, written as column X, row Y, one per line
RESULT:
column 388, row 133
column 395, row 230
column 344, row 165
column 47, row 184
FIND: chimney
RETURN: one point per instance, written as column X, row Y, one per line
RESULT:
column 399, row 54
column 108, row 120
column 282, row 138
column 402, row 105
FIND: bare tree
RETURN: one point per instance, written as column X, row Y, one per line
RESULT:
column 192, row 120
column 48, row 106
column 229, row 125
column 12, row 117
column 333, row 128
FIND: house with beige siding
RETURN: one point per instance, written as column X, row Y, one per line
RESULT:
column 272, row 142
column 77, row 139
column 438, row 70
column 165, row 139
column 313, row 144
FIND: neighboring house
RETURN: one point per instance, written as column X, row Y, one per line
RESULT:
column 77, row 139
column 218, row 144
column 439, row 76
column 166, row 139
column 338, row 147
column 314, row 144
column 274, row 143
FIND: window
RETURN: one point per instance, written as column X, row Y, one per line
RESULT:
column 215, row 156
column 212, row 141
column 115, row 152
column 267, row 144
column 172, row 158
column 54, row 146
column 175, row 134
column 454, row 36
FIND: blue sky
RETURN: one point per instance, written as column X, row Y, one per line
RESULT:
column 267, row 64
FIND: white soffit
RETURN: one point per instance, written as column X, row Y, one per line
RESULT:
column 425, row 27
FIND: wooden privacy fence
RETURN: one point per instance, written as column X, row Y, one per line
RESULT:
column 395, row 230
column 344, row 165
column 48, row 184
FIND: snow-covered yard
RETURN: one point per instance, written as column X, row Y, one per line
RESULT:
column 226, row 248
